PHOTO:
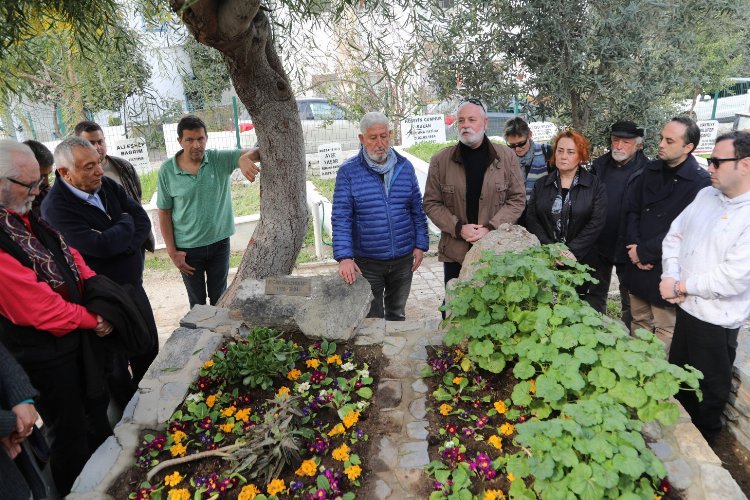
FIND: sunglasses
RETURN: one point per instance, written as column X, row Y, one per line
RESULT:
column 518, row 144
column 716, row 162
column 472, row 100
column 32, row 186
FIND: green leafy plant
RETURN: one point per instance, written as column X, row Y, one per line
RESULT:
column 586, row 382
column 256, row 359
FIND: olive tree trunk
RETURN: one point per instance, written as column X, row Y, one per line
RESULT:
column 241, row 31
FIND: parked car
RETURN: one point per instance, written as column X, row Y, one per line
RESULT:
column 324, row 122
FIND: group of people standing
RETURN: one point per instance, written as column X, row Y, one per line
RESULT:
column 71, row 264
column 673, row 232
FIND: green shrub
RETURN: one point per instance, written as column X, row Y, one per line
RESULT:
column 255, row 360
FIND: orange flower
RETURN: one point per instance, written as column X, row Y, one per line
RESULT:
column 511, row 477
column 334, row 359
column 337, row 429
column 495, row 441
column 173, row 479
column 353, row 472
column 208, row 364
column 341, row 453
column 457, row 380
column 293, row 374
column 307, row 468
column 500, row 407
column 312, row 363
column 181, row 494
column 532, row 389
column 493, row 495
column 445, row 409
column 248, row 492
column 283, row 392
column 226, row 427
column 178, row 436
column 507, row 429
column 211, row 400
column 276, row 486
column 228, row 412
column 243, row 414
column 351, row 418
column 178, row 450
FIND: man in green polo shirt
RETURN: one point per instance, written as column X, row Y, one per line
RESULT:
column 195, row 208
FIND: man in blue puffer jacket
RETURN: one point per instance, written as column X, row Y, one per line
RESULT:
column 379, row 227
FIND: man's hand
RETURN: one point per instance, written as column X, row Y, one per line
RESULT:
column 667, row 291
column 178, row 259
column 247, row 166
column 11, row 447
column 26, row 416
column 103, row 327
column 633, row 253
column 348, row 270
column 418, row 256
column 473, row 232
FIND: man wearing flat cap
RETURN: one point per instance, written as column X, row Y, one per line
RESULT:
column 618, row 169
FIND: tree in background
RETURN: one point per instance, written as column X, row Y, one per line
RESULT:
column 376, row 67
column 209, row 77
column 53, row 66
column 592, row 62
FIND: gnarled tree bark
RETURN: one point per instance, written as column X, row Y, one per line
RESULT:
column 241, row 31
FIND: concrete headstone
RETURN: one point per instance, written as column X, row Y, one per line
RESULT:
column 326, row 308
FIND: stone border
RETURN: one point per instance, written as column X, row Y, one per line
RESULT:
column 401, row 455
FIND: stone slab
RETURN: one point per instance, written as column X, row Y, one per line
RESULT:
column 389, row 393
column 718, row 483
column 693, row 446
column 417, row 429
column 393, row 345
column 387, row 456
column 205, row 316
column 418, row 409
column 419, row 386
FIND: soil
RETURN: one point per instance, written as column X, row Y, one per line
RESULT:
column 734, row 457
column 369, row 423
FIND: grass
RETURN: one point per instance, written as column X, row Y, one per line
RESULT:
column 324, row 186
column 425, row 150
column 245, row 198
column 148, row 185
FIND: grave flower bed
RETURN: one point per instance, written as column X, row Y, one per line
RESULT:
column 267, row 418
column 536, row 395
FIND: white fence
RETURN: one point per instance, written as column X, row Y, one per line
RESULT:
column 726, row 108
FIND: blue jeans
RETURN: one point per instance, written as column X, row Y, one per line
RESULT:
column 211, row 263
column 390, row 282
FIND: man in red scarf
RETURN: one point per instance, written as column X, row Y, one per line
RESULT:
column 41, row 320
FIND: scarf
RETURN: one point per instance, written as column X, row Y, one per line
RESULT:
column 42, row 259
column 386, row 169
column 561, row 208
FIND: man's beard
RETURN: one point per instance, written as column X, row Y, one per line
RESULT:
column 470, row 138
column 620, row 157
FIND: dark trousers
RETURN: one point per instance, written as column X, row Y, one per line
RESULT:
column 390, row 281
column 451, row 270
column 711, row 349
column 597, row 293
column 74, row 426
column 121, row 382
column 211, row 263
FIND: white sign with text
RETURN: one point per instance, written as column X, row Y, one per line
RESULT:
column 329, row 160
column 133, row 150
column 709, row 131
column 425, row 128
column 542, row 131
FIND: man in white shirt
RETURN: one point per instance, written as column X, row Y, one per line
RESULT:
column 706, row 263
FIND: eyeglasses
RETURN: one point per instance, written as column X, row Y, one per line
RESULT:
column 472, row 100
column 717, row 161
column 32, row 186
column 518, row 144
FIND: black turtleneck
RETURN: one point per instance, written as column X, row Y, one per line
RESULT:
column 475, row 165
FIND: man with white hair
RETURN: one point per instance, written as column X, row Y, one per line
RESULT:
column 472, row 188
column 618, row 169
column 42, row 321
column 379, row 228
column 97, row 216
